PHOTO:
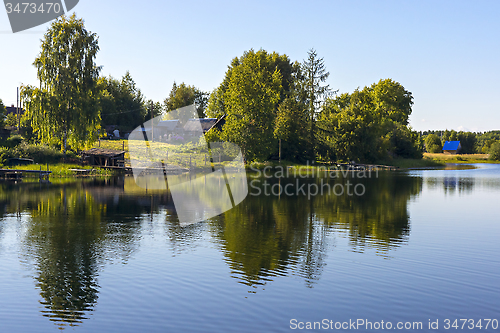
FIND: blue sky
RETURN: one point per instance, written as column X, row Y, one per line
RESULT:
column 446, row 53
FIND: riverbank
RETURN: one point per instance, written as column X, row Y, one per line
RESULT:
column 411, row 163
column 460, row 158
column 198, row 162
column 397, row 163
column 65, row 170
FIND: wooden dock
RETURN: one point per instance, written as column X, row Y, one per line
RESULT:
column 145, row 170
column 17, row 174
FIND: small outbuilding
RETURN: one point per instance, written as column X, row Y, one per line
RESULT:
column 451, row 147
column 104, row 157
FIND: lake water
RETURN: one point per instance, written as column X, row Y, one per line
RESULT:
column 104, row 255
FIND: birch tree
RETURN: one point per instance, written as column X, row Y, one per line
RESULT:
column 64, row 108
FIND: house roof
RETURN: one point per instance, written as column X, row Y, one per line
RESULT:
column 110, row 128
column 13, row 109
column 103, row 152
column 169, row 125
column 451, row 145
column 193, row 125
column 219, row 123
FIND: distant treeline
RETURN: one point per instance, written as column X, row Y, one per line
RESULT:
column 471, row 142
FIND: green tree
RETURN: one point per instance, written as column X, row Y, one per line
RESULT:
column 314, row 74
column 184, row 95
column 64, row 109
column 433, row 143
column 11, row 120
column 253, row 94
column 353, row 131
column 392, row 101
column 254, row 86
column 289, row 127
column 369, row 124
column 449, row 136
column 157, row 109
column 494, row 151
column 485, row 140
column 216, row 107
column 393, row 106
column 290, row 76
column 406, row 143
column 122, row 103
column 468, row 141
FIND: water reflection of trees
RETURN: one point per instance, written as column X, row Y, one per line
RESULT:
column 71, row 230
column 377, row 219
column 258, row 241
column 267, row 236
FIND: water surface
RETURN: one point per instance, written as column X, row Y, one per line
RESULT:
column 103, row 255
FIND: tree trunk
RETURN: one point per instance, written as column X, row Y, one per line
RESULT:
column 64, row 145
column 65, row 137
column 312, row 137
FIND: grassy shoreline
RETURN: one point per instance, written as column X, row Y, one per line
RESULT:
column 399, row 163
column 460, row 158
column 63, row 169
column 410, row 163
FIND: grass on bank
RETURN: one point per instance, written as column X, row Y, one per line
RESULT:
column 62, row 169
column 182, row 155
column 401, row 163
column 409, row 163
column 459, row 158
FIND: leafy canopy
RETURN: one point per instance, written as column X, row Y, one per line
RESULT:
column 184, row 95
column 370, row 124
column 254, row 85
column 64, row 109
column 433, row 143
column 122, row 103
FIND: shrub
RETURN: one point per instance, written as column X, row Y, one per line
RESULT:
column 39, row 153
column 495, row 151
column 13, row 141
column 406, row 143
column 433, row 143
